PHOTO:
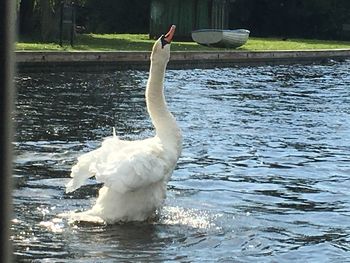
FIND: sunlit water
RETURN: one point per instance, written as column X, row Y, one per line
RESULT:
column 264, row 175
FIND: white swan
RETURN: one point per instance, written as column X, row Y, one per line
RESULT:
column 134, row 173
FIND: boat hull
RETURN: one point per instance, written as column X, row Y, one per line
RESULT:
column 221, row 38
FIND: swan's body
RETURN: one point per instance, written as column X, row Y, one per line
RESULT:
column 135, row 173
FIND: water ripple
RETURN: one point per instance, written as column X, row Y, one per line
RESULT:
column 264, row 173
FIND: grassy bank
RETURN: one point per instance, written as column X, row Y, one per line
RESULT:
column 117, row 42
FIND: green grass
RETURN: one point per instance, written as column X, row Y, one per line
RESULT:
column 293, row 44
column 106, row 42
column 116, row 42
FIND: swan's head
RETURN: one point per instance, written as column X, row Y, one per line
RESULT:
column 161, row 48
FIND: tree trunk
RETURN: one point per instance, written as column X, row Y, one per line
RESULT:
column 48, row 21
column 26, row 17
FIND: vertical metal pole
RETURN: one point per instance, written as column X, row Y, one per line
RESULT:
column 61, row 25
column 72, row 24
column 6, row 104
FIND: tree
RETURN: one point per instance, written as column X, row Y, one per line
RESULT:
column 26, row 11
column 49, row 19
column 40, row 18
column 118, row 16
column 325, row 19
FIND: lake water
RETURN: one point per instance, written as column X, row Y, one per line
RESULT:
column 264, row 175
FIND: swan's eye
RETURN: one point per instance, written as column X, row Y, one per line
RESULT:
column 164, row 42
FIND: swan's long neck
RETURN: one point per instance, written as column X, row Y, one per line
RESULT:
column 163, row 121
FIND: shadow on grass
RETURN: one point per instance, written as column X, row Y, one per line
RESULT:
column 255, row 43
column 320, row 42
column 130, row 42
column 90, row 42
column 109, row 42
column 141, row 42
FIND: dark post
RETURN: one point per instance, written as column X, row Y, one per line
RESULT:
column 6, row 97
column 67, row 22
column 61, row 25
column 72, row 28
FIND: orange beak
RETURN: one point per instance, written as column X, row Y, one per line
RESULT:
column 169, row 36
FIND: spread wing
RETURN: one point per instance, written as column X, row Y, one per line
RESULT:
column 122, row 165
column 132, row 168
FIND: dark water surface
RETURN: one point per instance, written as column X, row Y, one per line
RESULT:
column 264, row 175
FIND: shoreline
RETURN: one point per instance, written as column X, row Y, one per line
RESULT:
column 52, row 61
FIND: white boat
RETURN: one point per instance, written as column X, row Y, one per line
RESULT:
column 220, row 37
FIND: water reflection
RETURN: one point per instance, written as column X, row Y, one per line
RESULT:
column 263, row 177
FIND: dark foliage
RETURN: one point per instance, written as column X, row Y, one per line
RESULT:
column 323, row 19
column 122, row 16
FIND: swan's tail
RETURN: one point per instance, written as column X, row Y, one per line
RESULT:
column 81, row 171
column 88, row 163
